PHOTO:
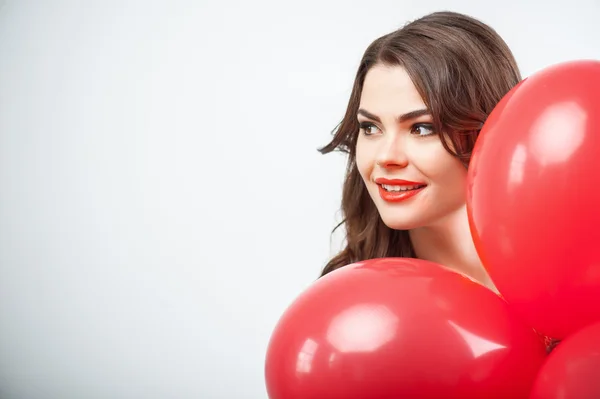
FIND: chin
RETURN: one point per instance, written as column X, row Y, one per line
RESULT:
column 400, row 224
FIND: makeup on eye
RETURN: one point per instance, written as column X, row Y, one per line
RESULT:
column 365, row 126
column 428, row 127
column 420, row 129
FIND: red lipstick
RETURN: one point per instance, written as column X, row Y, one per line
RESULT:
column 397, row 182
column 398, row 195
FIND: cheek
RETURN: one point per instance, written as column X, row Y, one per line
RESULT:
column 434, row 161
column 443, row 170
column 451, row 174
column 364, row 160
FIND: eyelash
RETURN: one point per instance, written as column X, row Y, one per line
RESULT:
column 366, row 125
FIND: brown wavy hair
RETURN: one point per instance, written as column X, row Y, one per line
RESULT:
column 462, row 68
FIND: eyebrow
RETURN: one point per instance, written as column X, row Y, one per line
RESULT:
column 400, row 119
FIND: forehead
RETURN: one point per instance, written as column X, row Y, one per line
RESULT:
column 389, row 91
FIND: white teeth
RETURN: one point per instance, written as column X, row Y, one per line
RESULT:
column 400, row 188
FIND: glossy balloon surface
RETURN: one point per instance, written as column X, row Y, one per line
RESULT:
column 534, row 197
column 400, row 328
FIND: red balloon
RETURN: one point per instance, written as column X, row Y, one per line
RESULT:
column 400, row 328
column 534, row 195
column 573, row 369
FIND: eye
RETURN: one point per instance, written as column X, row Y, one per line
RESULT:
column 368, row 129
column 422, row 129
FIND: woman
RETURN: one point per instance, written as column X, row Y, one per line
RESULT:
column 420, row 97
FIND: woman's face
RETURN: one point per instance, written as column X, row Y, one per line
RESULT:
column 410, row 176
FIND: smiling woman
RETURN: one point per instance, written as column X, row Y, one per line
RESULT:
column 420, row 96
column 408, row 173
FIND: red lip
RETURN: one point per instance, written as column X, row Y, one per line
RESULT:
column 397, row 196
column 397, row 182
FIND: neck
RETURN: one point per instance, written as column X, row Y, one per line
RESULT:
column 449, row 243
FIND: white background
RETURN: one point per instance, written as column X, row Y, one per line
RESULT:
column 162, row 200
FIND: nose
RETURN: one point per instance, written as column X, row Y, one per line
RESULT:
column 392, row 153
